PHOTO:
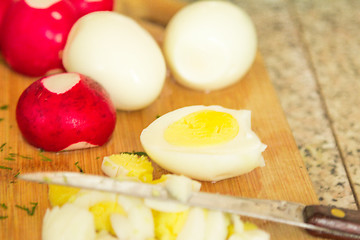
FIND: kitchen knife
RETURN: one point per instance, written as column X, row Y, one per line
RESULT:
column 323, row 221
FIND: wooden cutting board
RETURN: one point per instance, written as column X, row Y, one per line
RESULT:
column 284, row 177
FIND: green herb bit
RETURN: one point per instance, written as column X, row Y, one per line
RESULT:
column 3, row 205
column 137, row 153
column 4, row 107
column 44, row 158
column 3, row 217
column 2, row 147
column 9, row 159
column 16, row 175
column 25, row 157
column 13, row 155
column 77, row 165
column 6, row 168
column 1, row 119
column 29, row 211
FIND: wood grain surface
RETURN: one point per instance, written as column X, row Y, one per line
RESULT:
column 284, row 176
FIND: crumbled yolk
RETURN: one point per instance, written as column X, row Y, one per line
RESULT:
column 202, row 128
column 168, row 225
column 134, row 165
column 248, row 226
column 102, row 211
column 59, row 195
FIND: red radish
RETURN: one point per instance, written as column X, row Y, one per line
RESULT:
column 34, row 34
column 87, row 6
column 65, row 111
column 4, row 4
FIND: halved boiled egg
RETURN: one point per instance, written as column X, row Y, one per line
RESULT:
column 207, row 143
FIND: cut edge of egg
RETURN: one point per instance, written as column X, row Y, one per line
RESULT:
column 210, row 163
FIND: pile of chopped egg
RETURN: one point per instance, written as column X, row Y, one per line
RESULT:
column 93, row 215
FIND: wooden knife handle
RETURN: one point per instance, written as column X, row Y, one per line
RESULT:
column 345, row 223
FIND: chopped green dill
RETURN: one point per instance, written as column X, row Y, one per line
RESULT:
column 25, row 157
column 3, row 205
column 3, row 217
column 6, row 168
column 97, row 158
column 16, row 175
column 2, row 147
column 4, row 107
column 12, row 156
column 44, row 158
column 28, row 210
column 77, row 165
column 137, row 153
column 1, row 119
column 157, row 116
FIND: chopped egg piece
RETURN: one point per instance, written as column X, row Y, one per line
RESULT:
column 195, row 225
column 131, row 165
column 169, row 224
column 138, row 224
column 180, row 187
column 68, row 222
column 59, row 195
column 102, row 212
column 216, row 225
column 109, row 216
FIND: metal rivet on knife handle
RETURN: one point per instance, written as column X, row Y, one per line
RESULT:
column 345, row 223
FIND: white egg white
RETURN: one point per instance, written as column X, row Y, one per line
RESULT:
column 87, row 198
column 210, row 44
column 180, row 187
column 209, row 163
column 117, row 52
column 138, row 224
column 195, row 225
column 68, row 222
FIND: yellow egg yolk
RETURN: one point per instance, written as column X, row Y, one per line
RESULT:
column 102, row 211
column 168, row 225
column 202, row 128
column 134, row 165
column 59, row 195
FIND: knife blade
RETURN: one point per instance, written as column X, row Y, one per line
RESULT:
column 323, row 221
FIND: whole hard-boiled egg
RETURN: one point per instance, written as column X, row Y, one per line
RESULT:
column 208, row 143
column 210, row 45
column 117, row 52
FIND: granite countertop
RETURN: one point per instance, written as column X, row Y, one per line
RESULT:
column 311, row 49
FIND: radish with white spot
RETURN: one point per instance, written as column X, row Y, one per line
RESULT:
column 65, row 111
column 34, row 33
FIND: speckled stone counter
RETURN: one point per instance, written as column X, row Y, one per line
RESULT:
column 311, row 51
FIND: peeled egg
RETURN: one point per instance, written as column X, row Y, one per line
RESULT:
column 210, row 45
column 118, row 53
column 207, row 143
